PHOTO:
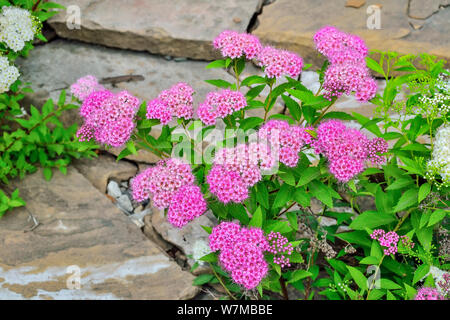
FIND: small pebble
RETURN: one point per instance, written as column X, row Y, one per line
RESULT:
column 113, row 189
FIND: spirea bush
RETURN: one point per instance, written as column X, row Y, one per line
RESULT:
column 33, row 136
column 384, row 182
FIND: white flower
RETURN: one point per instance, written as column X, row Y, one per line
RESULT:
column 8, row 74
column 440, row 160
column 17, row 26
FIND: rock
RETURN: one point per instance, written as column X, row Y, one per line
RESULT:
column 113, row 189
column 81, row 231
column 125, row 203
column 150, row 232
column 280, row 26
column 355, row 3
column 191, row 239
column 100, row 170
column 171, row 27
column 423, row 9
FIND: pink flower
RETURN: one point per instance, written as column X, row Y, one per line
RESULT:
column 85, row 86
column 241, row 252
column 237, row 169
column 388, row 240
column 347, row 149
column 339, row 46
column 285, row 139
column 177, row 101
column 220, row 104
column 109, row 118
column 347, row 72
column 277, row 63
column 186, row 205
column 280, row 247
column 162, row 182
column 428, row 294
column 235, row 45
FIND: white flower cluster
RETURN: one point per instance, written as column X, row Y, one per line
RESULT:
column 438, row 104
column 16, row 27
column 440, row 162
column 8, row 74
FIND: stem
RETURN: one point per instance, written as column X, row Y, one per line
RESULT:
column 284, row 289
column 266, row 109
column 156, row 151
column 323, row 113
column 221, row 282
column 238, row 86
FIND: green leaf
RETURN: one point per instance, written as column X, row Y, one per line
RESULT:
column 131, row 147
column 408, row 199
column 257, row 219
column 302, row 198
column 293, row 107
column 424, row 191
column 219, row 83
column 321, row 192
column 299, row 275
column 216, row 64
column 255, row 91
column 203, row 279
column 359, row 277
column 389, row 284
column 262, row 195
column 410, row 291
column 293, row 220
column 356, row 237
column 371, row 219
column 47, row 173
column 308, row 175
column 210, row 257
column 283, row 196
column 437, row 216
column 370, row 260
column 421, row 272
column 250, row 123
column 372, row 64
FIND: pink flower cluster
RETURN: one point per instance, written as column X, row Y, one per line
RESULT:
column 109, row 118
column 220, row 104
column 234, row 45
column 241, row 252
column 390, row 240
column 428, row 294
column 177, row 101
column 346, row 149
column 348, row 71
column 171, row 184
column 277, row 63
column 237, row 169
column 280, row 247
column 186, row 205
column 285, row 140
column 85, row 86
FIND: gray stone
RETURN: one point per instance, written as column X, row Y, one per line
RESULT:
column 124, row 203
column 171, row 27
column 423, row 9
column 81, row 230
column 113, row 189
column 191, row 239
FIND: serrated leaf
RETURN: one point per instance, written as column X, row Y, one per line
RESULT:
column 371, row 219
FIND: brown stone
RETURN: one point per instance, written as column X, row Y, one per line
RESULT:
column 291, row 24
column 355, row 3
column 100, row 170
column 170, row 27
column 80, row 227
